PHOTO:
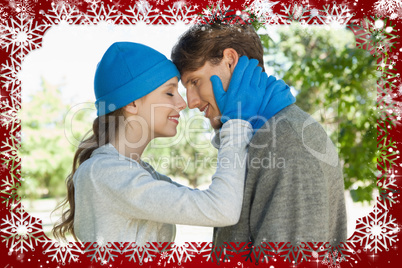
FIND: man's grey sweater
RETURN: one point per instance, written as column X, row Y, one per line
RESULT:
column 120, row 200
column 294, row 189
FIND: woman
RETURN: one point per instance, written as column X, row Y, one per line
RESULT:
column 112, row 194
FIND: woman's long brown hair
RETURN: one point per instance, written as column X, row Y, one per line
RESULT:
column 101, row 135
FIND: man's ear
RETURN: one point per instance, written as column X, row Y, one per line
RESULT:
column 131, row 108
column 230, row 58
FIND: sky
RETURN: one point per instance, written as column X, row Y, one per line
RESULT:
column 70, row 53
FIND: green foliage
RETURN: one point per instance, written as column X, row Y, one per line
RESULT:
column 336, row 83
column 189, row 154
column 46, row 151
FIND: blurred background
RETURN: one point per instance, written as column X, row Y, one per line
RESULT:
column 332, row 79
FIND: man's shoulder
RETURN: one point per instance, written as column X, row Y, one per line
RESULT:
column 292, row 127
column 290, row 116
column 288, row 121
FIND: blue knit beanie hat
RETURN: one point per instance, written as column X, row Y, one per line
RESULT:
column 127, row 72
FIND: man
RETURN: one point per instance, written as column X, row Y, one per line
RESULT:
column 294, row 189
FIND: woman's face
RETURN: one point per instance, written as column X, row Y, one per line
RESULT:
column 160, row 109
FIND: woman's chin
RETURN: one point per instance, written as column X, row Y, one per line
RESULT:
column 167, row 135
column 171, row 135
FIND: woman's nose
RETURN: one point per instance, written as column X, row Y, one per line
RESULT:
column 181, row 105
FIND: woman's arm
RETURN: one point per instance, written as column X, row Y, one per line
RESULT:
column 131, row 190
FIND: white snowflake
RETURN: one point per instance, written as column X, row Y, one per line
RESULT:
column 11, row 83
column 385, row 101
column 337, row 16
column 215, row 11
column 375, row 36
column 15, row 205
column 181, row 4
column 102, row 253
column 178, row 13
column 98, row 14
column 226, row 252
column 262, row 8
column 161, row 2
column 3, row 16
column 181, row 253
column 141, row 254
column 276, row 20
column 393, row 16
column 332, row 15
column 15, row 96
column 62, row 13
column 212, row 2
column 264, row 252
column 10, row 147
column 62, row 252
column 333, row 260
column 22, row 7
column 398, row 112
column 9, row 185
column 118, row 4
column 22, row 231
column 21, row 36
column 387, row 6
column 93, row 2
column 72, row 3
column 388, row 98
column 399, row 90
column 8, row 117
column 298, row 12
column 314, row 12
column 297, row 252
column 143, row 6
column 206, row 250
column 293, row 13
column 141, row 12
column 389, row 192
column 376, row 231
column 9, row 71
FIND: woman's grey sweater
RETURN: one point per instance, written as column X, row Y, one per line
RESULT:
column 121, row 200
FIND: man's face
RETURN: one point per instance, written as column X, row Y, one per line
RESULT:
column 200, row 93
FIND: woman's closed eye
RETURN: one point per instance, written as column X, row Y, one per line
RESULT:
column 170, row 94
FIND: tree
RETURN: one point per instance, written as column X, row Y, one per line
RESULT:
column 336, row 83
column 46, row 150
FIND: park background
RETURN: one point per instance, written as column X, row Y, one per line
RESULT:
column 331, row 78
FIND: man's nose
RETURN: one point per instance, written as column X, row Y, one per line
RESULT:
column 193, row 100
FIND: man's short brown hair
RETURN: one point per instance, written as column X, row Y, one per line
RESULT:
column 206, row 42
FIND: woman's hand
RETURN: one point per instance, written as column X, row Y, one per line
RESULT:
column 245, row 94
